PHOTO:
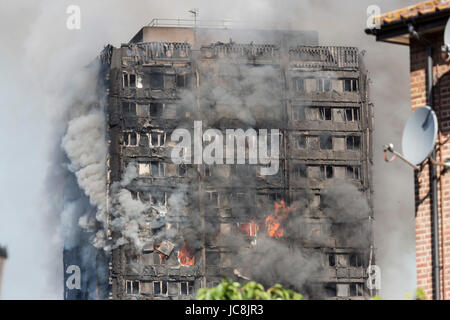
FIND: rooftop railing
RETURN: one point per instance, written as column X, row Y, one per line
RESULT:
column 325, row 57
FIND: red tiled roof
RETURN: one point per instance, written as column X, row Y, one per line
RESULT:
column 420, row 9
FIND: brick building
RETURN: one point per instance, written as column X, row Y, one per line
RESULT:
column 421, row 27
column 202, row 222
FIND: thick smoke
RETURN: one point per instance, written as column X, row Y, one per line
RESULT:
column 41, row 71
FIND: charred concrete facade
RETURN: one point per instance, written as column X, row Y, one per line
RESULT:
column 204, row 220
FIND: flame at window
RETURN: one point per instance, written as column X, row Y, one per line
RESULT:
column 185, row 256
column 249, row 229
column 274, row 222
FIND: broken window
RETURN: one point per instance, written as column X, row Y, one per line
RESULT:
column 299, row 171
column 130, row 139
column 156, row 110
column 298, row 84
column 129, row 108
column 156, row 80
column 132, row 287
column 352, row 114
column 351, row 85
column 353, row 172
column 323, row 85
column 160, row 288
column 298, row 113
column 326, row 172
column 324, row 113
column 353, row 143
column 300, row 142
column 129, row 80
column 326, row 142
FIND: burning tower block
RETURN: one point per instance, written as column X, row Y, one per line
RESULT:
column 307, row 227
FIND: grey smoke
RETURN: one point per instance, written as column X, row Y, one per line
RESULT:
column 37, row 77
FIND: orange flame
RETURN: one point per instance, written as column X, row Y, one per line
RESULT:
column 250, row 229
column 185, row 257
column 273, row 222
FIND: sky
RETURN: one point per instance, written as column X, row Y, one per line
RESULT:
column 40, row 56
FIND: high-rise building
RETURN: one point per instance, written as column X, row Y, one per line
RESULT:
column 176, row 227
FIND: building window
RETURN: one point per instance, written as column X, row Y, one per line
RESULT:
column 133, row 287
column 353, row 143
column 157, row 168
column 129, row 80
column 352, row 114
column 160, row 288
column 351, row 85
column 300, row 171
column 182, row 80
column 129, row 108
column 156, row 110
column 330, row 289
column 326, row 172
column 298, row 113
column 356, row 289
column 323, row 85
column 157, row 139
column 300, row 142
column 331, row 260
column 324, row 113
column 353, row 172
column 186, row 287
column 156, row 80
column 326, row 142
column 298, row 84
column 212, row 258
column 356, row 260
column 212, row 198
column 342, row 290
column 130, row 139
column 207, row 170
column 158, row 198
column 182, row 169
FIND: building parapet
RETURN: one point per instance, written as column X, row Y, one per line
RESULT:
column 322, row 57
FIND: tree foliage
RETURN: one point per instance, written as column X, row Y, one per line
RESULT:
column 229, row 290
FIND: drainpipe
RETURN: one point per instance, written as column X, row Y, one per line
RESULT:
column 436, row 269
column 433, row 174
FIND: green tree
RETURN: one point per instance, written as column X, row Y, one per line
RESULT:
column 229, row 290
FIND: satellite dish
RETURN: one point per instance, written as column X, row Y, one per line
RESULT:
column 447, row 34
column 419, row 135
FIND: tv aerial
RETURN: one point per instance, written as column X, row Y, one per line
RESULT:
column 418, row 140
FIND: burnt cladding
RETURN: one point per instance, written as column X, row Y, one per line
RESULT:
column 177, row 227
